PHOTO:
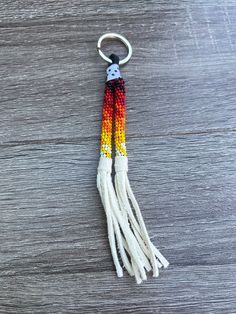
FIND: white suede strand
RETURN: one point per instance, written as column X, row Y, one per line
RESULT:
column 103, row 190
column 125, row 211
column 117, row 231
column 127, row 200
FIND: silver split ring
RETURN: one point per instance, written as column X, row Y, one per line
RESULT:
column 114, row 36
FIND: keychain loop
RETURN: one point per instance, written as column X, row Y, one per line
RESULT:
column 114, row 36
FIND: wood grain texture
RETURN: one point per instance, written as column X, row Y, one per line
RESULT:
column 181, row 138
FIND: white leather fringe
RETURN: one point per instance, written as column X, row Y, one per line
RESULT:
column 126, row 228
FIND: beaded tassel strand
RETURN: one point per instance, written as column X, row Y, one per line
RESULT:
column 126, row 228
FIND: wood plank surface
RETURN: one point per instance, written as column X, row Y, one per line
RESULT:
column 181, row 139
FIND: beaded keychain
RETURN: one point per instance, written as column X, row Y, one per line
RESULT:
column 126, row 229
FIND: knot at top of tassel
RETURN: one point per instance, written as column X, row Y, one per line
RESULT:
column 105, row 164
column 114, row 58
column 121, row 163
column 113, row 71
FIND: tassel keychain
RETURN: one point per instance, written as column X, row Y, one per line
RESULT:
column 127, row 232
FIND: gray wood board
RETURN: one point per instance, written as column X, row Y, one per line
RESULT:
column 181, row 123
column 201, row 289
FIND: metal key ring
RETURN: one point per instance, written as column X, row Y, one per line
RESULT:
column 114, row 36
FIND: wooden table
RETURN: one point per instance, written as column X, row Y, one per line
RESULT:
column 181, row 138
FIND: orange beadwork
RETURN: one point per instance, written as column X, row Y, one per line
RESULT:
column 114, row 97
column 120, row 115
column 106, row 133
